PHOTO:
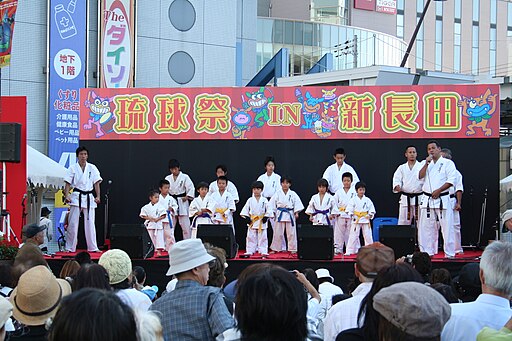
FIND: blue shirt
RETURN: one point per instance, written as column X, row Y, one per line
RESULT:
column 193, row 312
column 468, row 319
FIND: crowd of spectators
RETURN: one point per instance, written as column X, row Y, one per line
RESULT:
column 388, row 299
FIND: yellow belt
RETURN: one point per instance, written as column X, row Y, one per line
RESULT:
column 256, row 218
column 360, row 215
column 222, row 211
column 342, row 208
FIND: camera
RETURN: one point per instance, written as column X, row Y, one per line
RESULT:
column 408, row 259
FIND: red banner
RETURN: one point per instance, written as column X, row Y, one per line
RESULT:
column 368, row 5
column 334, row 112
column 7, row 13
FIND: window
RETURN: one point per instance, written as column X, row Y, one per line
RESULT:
column 400, row 24
column 474, row 51
column 509, row 19
column 476, row 10
column 493, row 11
column 439, row 8
column 492, row 52
column 419, row 47
column 458, row 9
column 456, row 47
column 439, row 45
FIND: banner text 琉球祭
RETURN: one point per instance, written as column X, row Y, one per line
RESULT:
column 319, row 112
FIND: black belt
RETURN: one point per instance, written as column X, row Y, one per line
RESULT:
column 409, row 197
column 80, row 199
column 440, row 202
column 181, row 195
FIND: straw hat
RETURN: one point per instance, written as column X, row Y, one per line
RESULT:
column 37, row 296
column 186, row 255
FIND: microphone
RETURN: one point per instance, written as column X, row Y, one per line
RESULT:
column 109, row 182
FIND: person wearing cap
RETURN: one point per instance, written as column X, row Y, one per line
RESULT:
column 370, row 260
column 47, row 223
column 119, row 268
column 410, row 311
column 326, row 288
column 467, row 283
column 5, row 316
column 33, row 233
column 35, row 300
column 192, row 311
column 491, row 308
column 506, row 218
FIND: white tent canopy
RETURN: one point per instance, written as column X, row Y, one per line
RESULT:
column 506, row 184
column 43, row 171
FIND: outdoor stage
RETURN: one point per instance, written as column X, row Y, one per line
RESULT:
column 341, row 267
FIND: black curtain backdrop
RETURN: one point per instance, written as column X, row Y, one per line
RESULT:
column 135, row 167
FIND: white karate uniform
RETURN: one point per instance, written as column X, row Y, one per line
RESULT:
column 48, row 233
column 196, row 206
column 231, row 188
column 327, row 204
column 256, row 210
column 360, row 205
column 438, row 173
column 182, row 185
column 171, row 206
column 409, row 182
column 155, row 229
column 289, row 204
column 222, row 206
column 270, row 185
column 333, row 175
column 457, row 186
column 83, row 180
column 343, row 220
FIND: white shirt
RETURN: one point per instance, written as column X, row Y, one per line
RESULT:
column 438, row 173
column 343, row 315
column 135, row 299
column 256, row 207
column 224, row 201
column 231, row 188
column 270, row 184
column 170, row 204
column 327, row 203
column 468, row 319
column 342, row 198
column 363, row 204
column 289, row 200
column 181, row 185
column 153, row 211
column 196, row 206
column 328, row 290
column 408, row 180
column 84, row 181
column 333, row 175
column 48, row 233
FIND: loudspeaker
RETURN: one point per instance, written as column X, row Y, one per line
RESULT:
column 315, row 242
column 131, row 238
column 221, row 235
column 10, row 142
column 399, row 237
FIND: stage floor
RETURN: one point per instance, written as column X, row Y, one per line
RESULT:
column 341, row 267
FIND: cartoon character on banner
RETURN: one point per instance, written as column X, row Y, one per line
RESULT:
column 478, row 111
column 325, row 125
column 100, row 114
column 258, row 103
column 311, row 107
column 329, row 100
column 242, row 121
column 6, row 31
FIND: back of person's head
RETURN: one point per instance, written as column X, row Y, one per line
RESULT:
column 271, row 304
column 92, row 314
column 373, row 258
column 6, row 275
column 323, row 276
column 442, row 276
column 339, row 297
column 396, row 273
column 91, row 276
column 149, row 327
column 467, row 283
column 69, row 270
column 422, row 263
column 410, row 312
column 217, row 266
column 311, row 277
column 119, row 267
column 447, row 291
column 139, row 275
column 496, row 267
column 83, row 257
column 27, row 257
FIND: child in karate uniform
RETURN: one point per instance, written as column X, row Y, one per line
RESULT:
column 362, row 211
column 343, row 221
column 322, row 208
column 198, row 209
column 153, row 214
column 222, row 204
column 257, row 212
column 286, row 205
column 168, row 202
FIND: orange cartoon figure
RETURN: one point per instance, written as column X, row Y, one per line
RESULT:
column 478, row 111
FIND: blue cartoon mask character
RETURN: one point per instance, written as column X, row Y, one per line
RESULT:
column 478, row 111
column 242, row 123
column 100, row 114
column 258, row 103
column 310, row 108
